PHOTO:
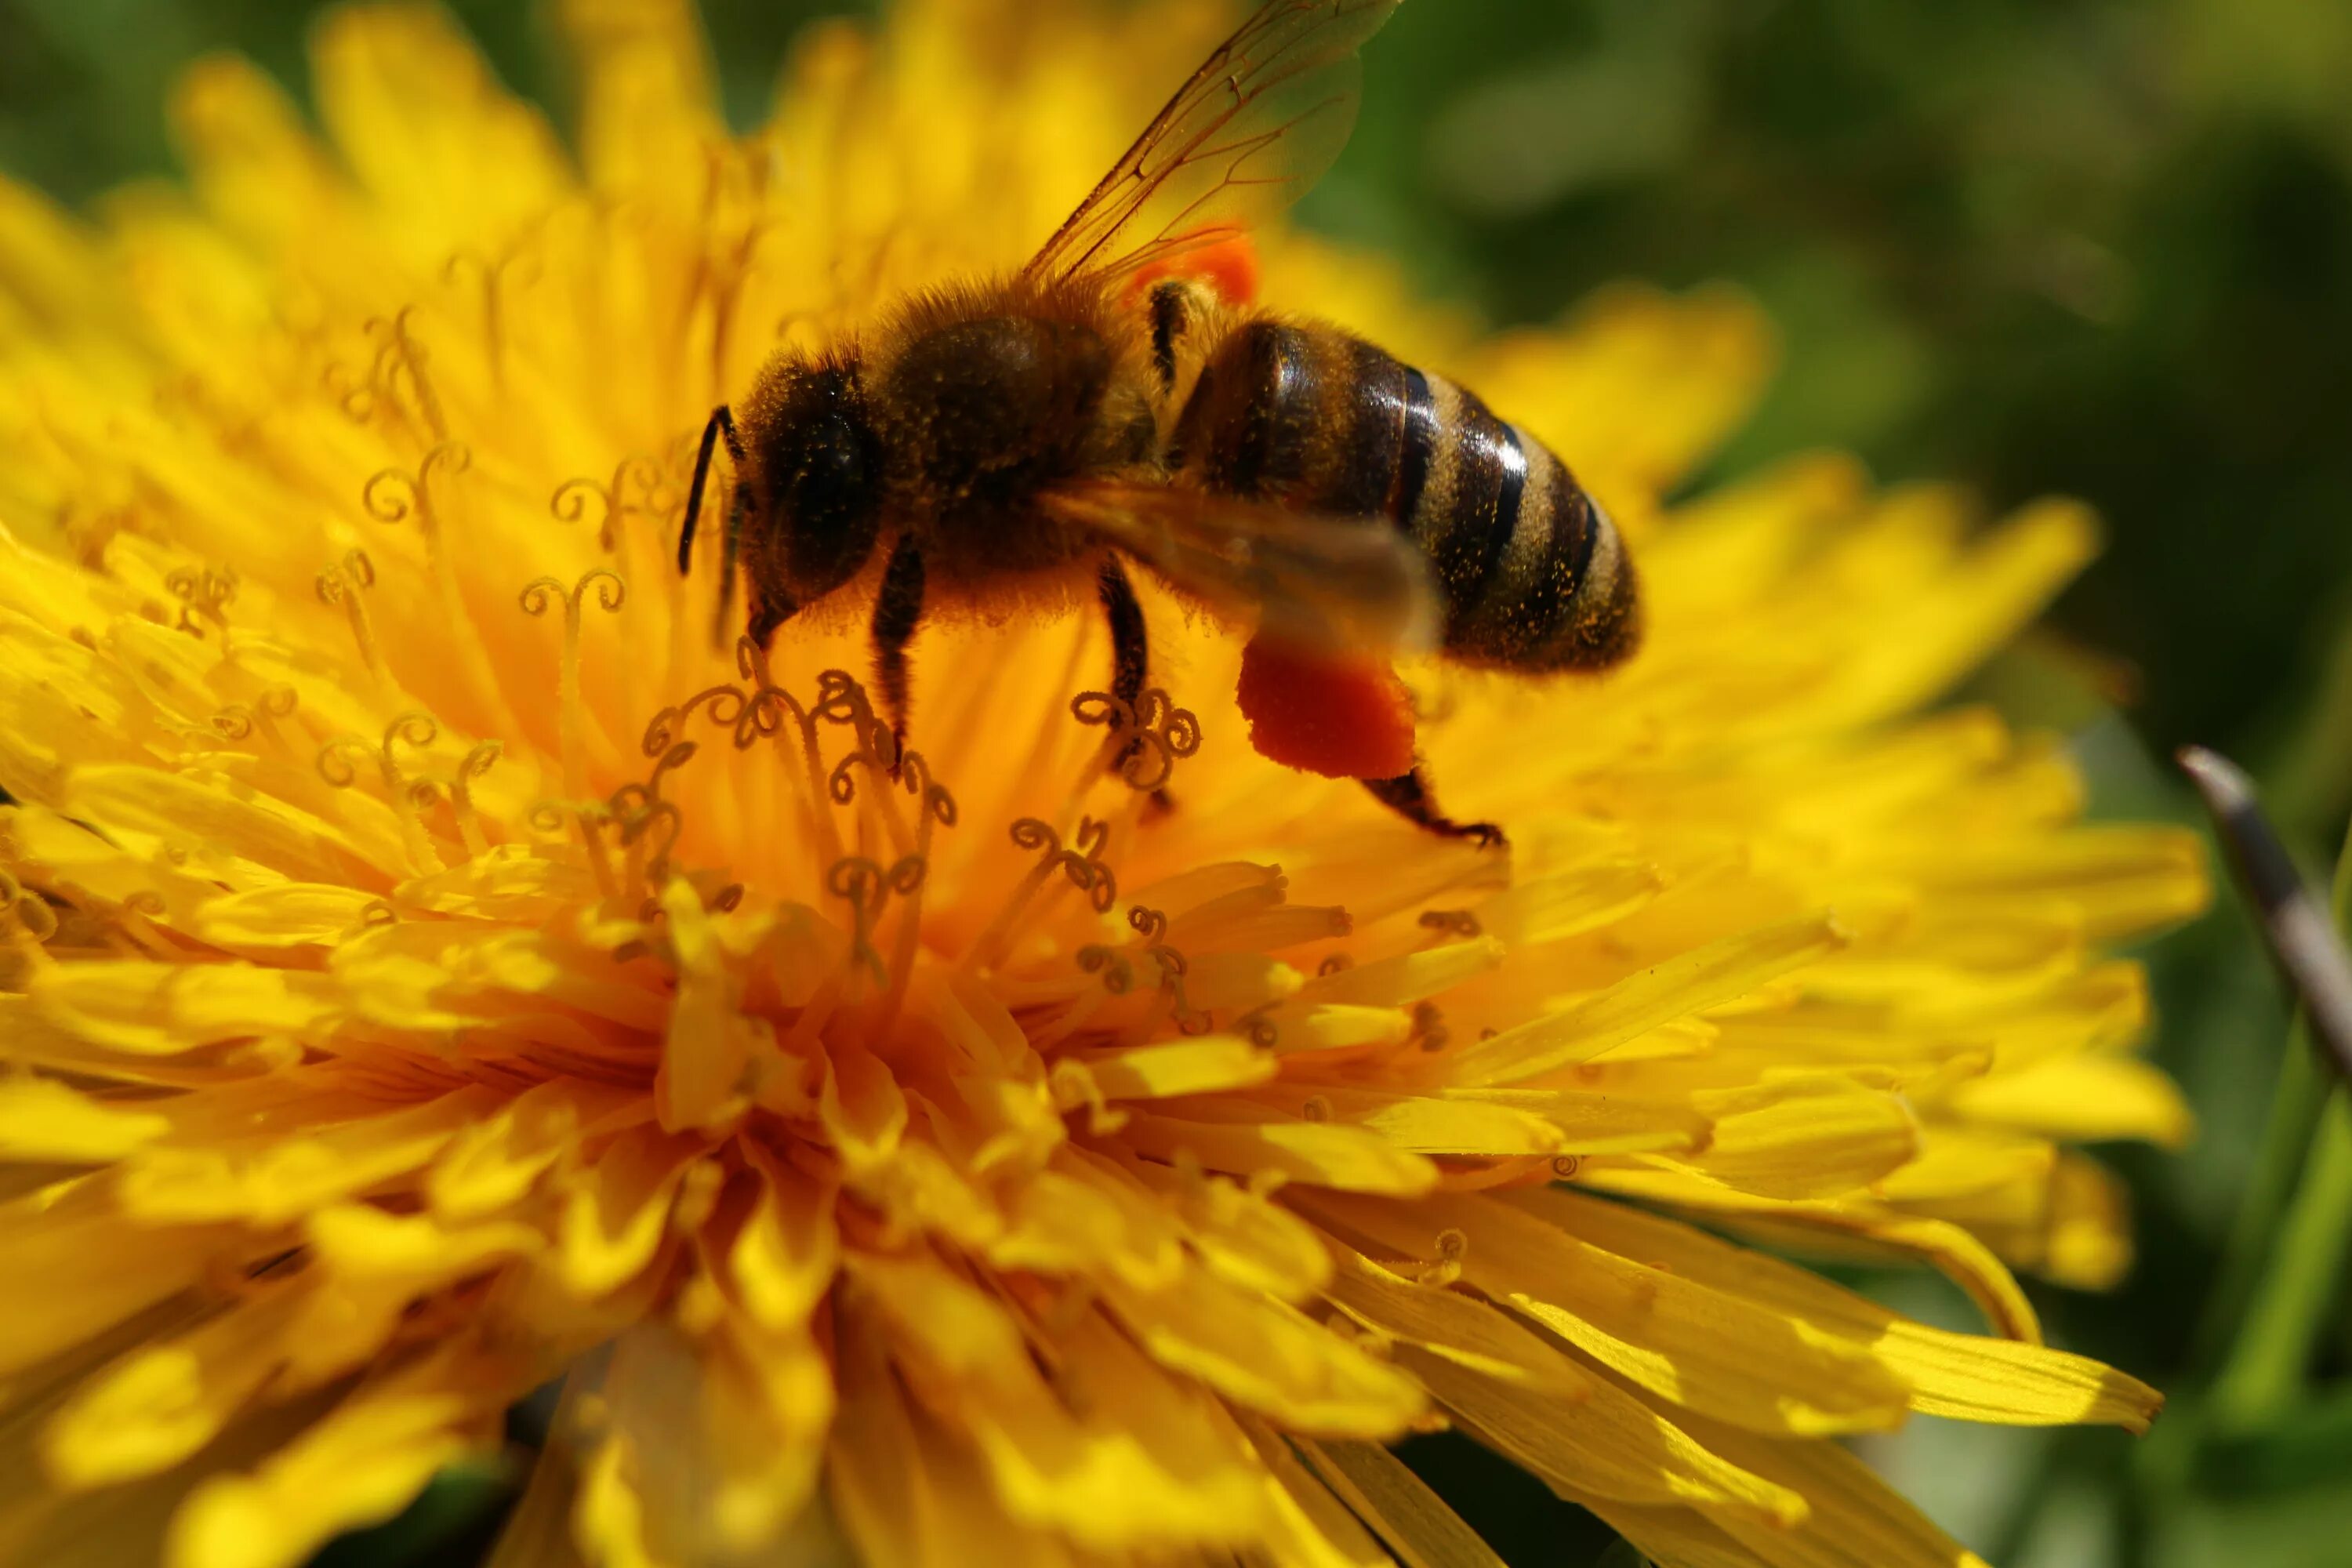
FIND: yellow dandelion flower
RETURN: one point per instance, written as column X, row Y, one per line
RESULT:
column 426, row 967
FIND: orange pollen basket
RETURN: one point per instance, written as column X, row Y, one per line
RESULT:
column 1341, row 718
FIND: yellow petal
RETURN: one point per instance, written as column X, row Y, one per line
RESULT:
column 1382, row 1492
column 1610, row 1444
column 362, row 1462
column 1853, row 1225
column 292, row 914
column 2084, row 1099
column 1260, row 1353
column 1451, row 1324
column 1201, row 1065
column 1972, row 1377
column 1810, row 1136
column 1321, row 1154
column 1243, row 1238
column 41, row 1118
column 784, row 1258
column 1720, row 1352
column 1596, row 1124
column 498, row 1157
column 1406, row 978
column 614, row 1219
column 274, row 1179
column 1424, row 1123
column 165, row 1008
column 95, row 1266
column 1713, row 974
column 163, row 1402
column 1856, row 1517
column 1309, row 1525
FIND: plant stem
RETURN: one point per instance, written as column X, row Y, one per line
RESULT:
column 2295, row 1102
column 2264, row 1373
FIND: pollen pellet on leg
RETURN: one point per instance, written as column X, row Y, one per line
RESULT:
column 1341, row 718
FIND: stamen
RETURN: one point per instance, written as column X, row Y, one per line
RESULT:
column 274, row 702
column 570, row 503
column 764, row 715
column 1117, row 974
column 612, row 592
column 355, row 396
column 409, row 798
column 866, row 886
column 207, row 592
column 1452, row 1249
column 493, row 302
column 1072, row 1086
column 23, row 909
column 476, row 762
column 649, row 870
column 842, row 700
column 1451, row 922
column 1145, row 741
column 1171, row 984
column 399, row 353
column 394, row 495
column 1027, row 833
column 719, row 274
column 341, row 585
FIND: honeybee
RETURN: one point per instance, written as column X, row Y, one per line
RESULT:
column 1009, row 441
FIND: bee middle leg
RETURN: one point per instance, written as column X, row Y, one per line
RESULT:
column 1409, row 795
column 898, row 613
column 1130, row 655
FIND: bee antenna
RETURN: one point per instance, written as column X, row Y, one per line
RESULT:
column 722, row 422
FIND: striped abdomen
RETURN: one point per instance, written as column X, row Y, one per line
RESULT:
column 1534, row 575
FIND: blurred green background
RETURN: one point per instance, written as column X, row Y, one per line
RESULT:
column 2101, row 246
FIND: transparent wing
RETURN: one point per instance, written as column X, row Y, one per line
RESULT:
column 1327, row 584
column 1257, row 124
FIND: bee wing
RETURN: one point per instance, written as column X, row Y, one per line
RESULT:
column 1260, row 121
column 1323, row 583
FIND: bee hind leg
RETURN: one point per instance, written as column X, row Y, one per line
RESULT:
column 897, row 614
column 1409, row 795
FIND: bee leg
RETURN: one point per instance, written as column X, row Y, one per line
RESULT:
column 739, row 506
column 1408, row 795
column 897, row 613
column 770, row 608
column 1130, row 655
column 722, row 422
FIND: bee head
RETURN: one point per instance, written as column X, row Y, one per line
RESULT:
column 817, row 465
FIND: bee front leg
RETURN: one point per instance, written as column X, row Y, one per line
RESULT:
column 898, row 613
column 1409, row 795
column 770, row 608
